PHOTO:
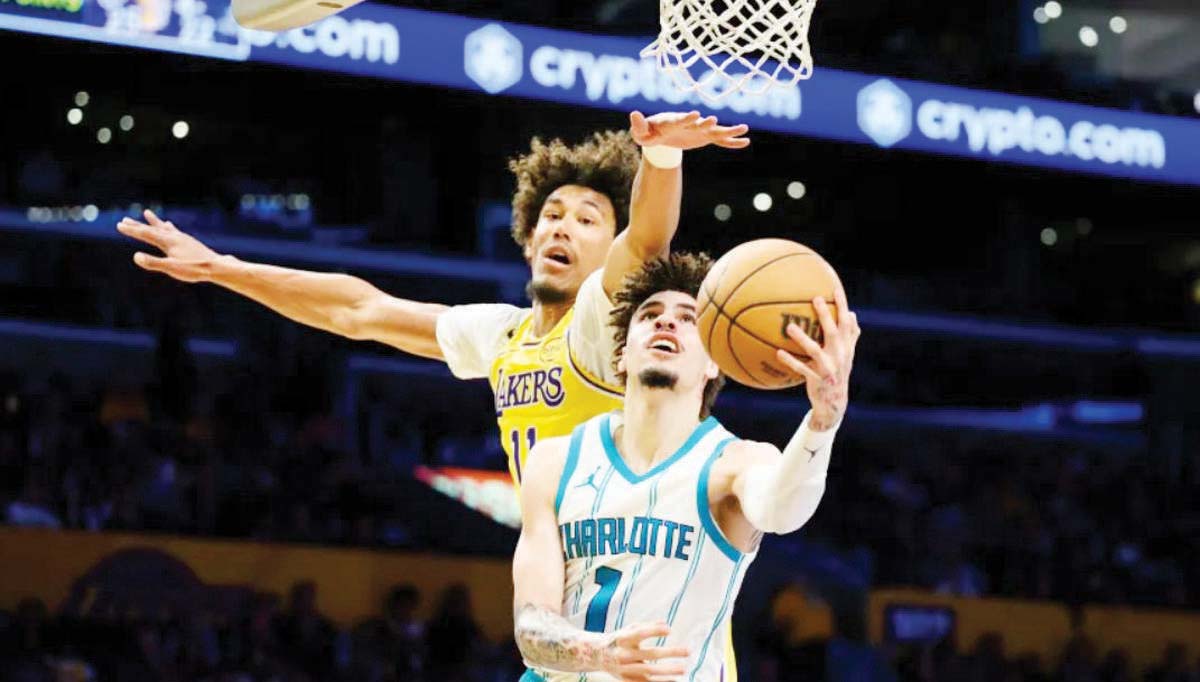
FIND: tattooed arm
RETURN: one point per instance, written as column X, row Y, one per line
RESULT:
column 546, row 639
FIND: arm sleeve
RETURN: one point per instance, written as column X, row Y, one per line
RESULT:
column 591, row 334
column 781, row 496
column 471, row 336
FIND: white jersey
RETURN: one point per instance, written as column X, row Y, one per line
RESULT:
column 646, row 548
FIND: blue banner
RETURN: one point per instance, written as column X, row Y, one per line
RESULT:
column 575, row 68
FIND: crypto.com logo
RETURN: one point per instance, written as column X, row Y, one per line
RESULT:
column 493, row 58
column 885, row 112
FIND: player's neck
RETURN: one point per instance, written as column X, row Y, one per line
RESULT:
column 547, row 315
column 656, row 423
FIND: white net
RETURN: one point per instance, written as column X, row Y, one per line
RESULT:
column 719, row 47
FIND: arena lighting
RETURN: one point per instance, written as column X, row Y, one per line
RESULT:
column 1118, row 24
column 1083, row 226
column 104, row 135
column 1196, row 102
column 180, row 129
column 82, row 98
column 1039, row 15
column 90, row 213
column 762, row 201
column 126, row 123
column 796, row 189
column 723, row 212
column 1053, row 9
column 74, row 116
column 1088, row 36
column 1049, row 236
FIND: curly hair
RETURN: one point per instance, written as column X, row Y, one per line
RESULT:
column 680, row 271
column 606, row 162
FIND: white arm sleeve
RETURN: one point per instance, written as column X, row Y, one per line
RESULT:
column 782, row 495
column 591, row 335
column 471, row 336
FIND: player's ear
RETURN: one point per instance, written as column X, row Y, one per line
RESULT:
column 527, row 250
column 711, row 371
column 621, row 360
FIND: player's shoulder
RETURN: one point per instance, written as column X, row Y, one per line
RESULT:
column 741, row 451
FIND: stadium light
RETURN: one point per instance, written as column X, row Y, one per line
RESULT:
column 723, row 212
column 1118, row 24
column 1088, row 36
column 796, row 189
column 763, row 201
column 180, row 129
column 1053, row 9
column 74, row 116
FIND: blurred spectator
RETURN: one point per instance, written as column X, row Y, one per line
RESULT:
column 454, row 638
column 304, row 635
column 392, row 646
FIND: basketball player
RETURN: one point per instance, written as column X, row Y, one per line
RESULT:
column 638, row 529
column 548, row 365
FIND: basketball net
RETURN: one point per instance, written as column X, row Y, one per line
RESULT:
column 739, row 45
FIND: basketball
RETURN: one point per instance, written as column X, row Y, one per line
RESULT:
column 747, row 301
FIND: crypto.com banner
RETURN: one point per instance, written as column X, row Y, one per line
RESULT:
column 576, row 68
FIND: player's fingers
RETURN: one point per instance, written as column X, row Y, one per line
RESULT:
column 731, row 131
column 822, row 362
column 153, row 263
column 833, row 336
column 156, row 221
column 659, row 669
column 793, row 363
column 637, row 124
column 734, row 143
column 709, row 122
column 637, row 634
column 660, row 652
column 690, row 116
column 141, row 232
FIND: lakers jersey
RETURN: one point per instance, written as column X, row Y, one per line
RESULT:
column 645, row 548
column 541, row 390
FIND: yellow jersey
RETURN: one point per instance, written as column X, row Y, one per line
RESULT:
column 543, row 391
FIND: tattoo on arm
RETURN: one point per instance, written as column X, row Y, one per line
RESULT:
column 548, row 640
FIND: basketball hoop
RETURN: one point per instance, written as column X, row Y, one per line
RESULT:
column 747, row 45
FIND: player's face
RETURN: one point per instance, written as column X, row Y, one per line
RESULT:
column 570, row 242
column 663, row 347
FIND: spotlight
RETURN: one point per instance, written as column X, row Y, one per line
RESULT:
column 796, row 189
column 1049, row 236
column 126, row 123
column 82, row 98
column 1088, row 36
column 1118, row 24
column 74, row 116
column 104, row 135
column 180, row 129
column 1053, row 9
column 723, row 212
column 762, row 201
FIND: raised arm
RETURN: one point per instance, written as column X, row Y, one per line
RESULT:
column 336, row 303
column 778, row 492
column 546, row 639
column 658, row 187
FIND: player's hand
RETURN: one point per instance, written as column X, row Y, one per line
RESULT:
column 827, row 371
column 685, row 131
column 629, row 661
column 186, row 258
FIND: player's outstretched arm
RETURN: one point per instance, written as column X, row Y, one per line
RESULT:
column 546, row 639
column 779, row 492
column 658, row 187
column 337, row 303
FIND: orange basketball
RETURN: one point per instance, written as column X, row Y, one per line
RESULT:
column 747, row 301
